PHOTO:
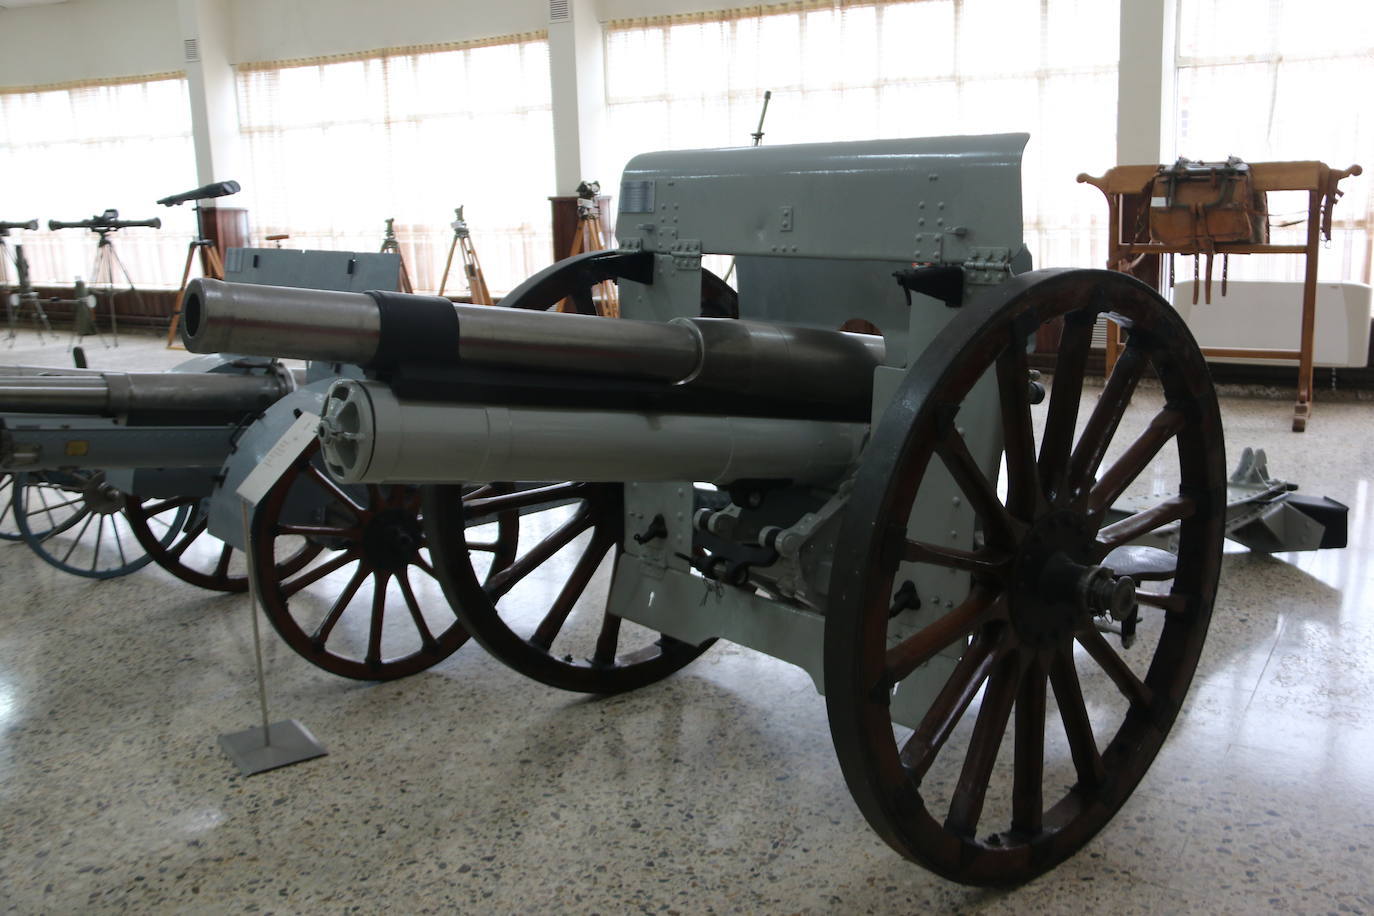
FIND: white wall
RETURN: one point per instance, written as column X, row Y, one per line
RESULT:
column 88, row 39
column 284, row 29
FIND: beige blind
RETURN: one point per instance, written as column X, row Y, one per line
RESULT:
column 397, row 51
column 72, row 150
column 1284, row 80
column 841, row 71
column 335, row 147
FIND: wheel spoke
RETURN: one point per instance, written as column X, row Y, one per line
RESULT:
column 1106, row 417
column 1087, row 760
column 187, row 539
column 77, row 540
column 222, row 567
column 333, row 489
column 1121, row 674
column 562, row 606
column 988, row 730
column 607, row 641
column 1013, row 389
column 982, row 496
column 501, row 582
column 521, row 499
column 938, row 723
column 1065, row 395
column 321, row 634
column 119, row 545
column 1142, row 523
column 319, row 572
column 987, row 562
column 1135, row 459
column 922, row 646
column 403, row 579
column 1027, row 794
column 151, row 509
column 1171, row 604
column 99, row 533
column 374, row 633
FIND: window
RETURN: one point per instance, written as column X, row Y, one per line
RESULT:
column 335, row 147
column 851, row 71
column 1279, row 81
column 70, row 152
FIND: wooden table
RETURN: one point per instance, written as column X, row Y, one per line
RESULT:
column 1127, row 187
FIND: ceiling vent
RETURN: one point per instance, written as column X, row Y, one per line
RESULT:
column 192, row 48
column 560, row 11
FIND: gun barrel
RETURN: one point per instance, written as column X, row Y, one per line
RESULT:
column 371, row 436
column 197, row 396
column 384, row 331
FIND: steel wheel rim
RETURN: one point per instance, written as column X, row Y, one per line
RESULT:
column 597, row 508
column 65, row 522
column 9, row 528
column 1042, row 831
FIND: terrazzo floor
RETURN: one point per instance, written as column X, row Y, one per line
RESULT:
column 470, row 789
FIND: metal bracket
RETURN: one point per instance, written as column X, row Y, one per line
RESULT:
column 987, row 266
column 686, row 254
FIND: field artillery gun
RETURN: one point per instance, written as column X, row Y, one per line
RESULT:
column 77, row 445
column 158, row 457
column 903, row 514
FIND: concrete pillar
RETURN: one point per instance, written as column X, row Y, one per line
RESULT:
column 1146, row 109
column 210, row 79
column 578, row 93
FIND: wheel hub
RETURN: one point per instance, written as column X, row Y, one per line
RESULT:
column 102, row 498
column 1059, row 587
column 391, row 539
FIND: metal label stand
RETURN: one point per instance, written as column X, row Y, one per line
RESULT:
column 271, row 745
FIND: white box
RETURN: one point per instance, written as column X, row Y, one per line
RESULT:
column 1267, row 315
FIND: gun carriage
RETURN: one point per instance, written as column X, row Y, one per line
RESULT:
column 158, row 456
column 895, row 513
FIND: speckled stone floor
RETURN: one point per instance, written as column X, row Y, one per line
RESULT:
column 470, row 789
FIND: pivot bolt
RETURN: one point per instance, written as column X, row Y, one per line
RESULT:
column 1106, row 593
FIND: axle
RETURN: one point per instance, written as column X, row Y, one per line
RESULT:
column 382, row 331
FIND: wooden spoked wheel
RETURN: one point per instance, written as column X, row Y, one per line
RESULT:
column 194, row 555
column 544, row 611
column 74, row 521
column 1021, row 651
column 369, row 608
column 575, row 279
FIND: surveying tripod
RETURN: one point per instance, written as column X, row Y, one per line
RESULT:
column 462, row 240
column 23, row 292
column 389, row 243
column 590, row 236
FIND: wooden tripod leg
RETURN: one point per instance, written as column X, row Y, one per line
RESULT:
column 1302, row 409
column 216, row 266
column 448, row 264
column 181, row 296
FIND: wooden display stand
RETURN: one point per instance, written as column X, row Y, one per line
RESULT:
column 1126, row 188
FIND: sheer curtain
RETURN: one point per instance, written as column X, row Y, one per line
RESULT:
column 71, row 151
column 336, row 146
column 851, row 71
column 1284, row 80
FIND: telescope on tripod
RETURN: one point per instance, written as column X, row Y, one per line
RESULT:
column 106, row 262
column 23, row 292
column 211, row 264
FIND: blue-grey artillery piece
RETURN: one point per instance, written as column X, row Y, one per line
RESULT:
column 1002, row 649
column 115, row 469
